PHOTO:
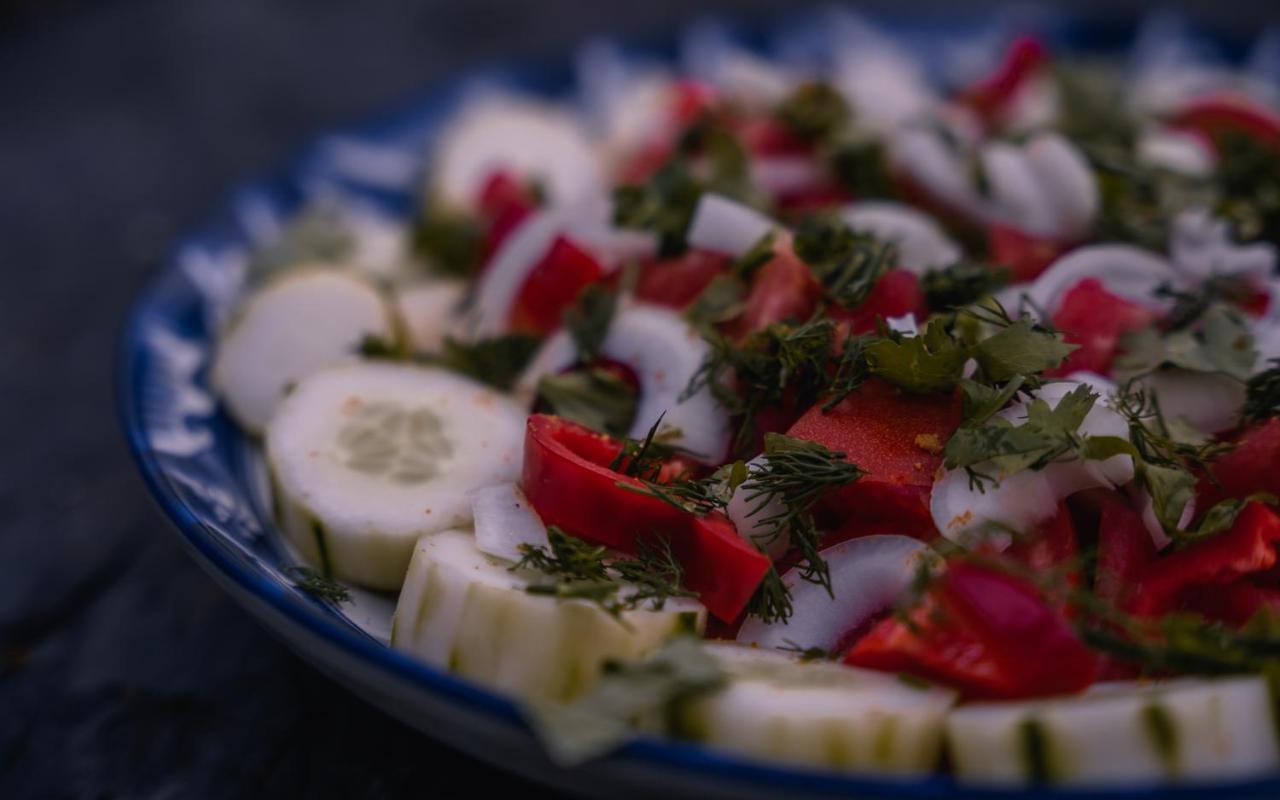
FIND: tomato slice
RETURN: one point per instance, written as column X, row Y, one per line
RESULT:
column 552, row 286
column 783, row 289
column 896, row 294
column 1247, row 547
column 1025, row 254
column 504, row 203
column 1052, row 547
column 989, row 97
column 1125, row 550
column 1217, row 115
column 897, row 438
column 1095, row 319
column 1252, row 467
column 677, row 282
column 567, row 478
column 986, row 633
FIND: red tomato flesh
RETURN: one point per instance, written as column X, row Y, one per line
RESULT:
column 1252, row 467
column 552, row 286
column 677, row 282
column 896, row 294
column 1095, row 319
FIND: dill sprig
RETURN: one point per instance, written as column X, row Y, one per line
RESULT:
column 576, row 569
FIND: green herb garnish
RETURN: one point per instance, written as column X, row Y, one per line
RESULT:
column 814, row 112
column 1262, row 394
column 961, row 284
column 317, row 585
column 498, row 361
column 847, row 264
column 450, row 242
column 596, row 398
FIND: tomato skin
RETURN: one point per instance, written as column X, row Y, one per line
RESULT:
column 1125, row 551
column 677, row 282
column 1052, row 547
column 989, row 97
column 1215, row 116
column 1095, row 319
column 1252, row 467
column 552, row 286
column 504, row 203
column 896, row 294
column 897, row 438
column 1246, row 548
column 783, row 289
column 1025, row 254
column 812, row 199
column 566, row 477
column 986, row 633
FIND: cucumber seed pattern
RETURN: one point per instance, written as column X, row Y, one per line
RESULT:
column 404, row 444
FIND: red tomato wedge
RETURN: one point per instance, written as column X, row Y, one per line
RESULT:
column 1023, row 60
column 1251, row 468
column 1246, row 548
column 1217, row 115
column 1095, row 319
column 897, row 438
column 1025, row 254
column 552, row 286
column 984, row 632
column 504, row 203
column 568, row 480
column 896, row 294
column 677, row 282
column 1125, row 550
column 783, row 289
column 1052, row 547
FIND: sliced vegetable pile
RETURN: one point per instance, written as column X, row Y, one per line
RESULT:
column 951, row 412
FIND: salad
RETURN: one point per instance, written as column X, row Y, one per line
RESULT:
column 831, row 411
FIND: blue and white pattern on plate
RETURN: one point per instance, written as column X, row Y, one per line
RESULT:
column 207, row 476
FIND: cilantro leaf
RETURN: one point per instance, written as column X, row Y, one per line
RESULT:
column 930, row 362
column 1020, row 348
column 862, row 166
column 1219, row 342
column 1047, row 434
column 449, row 241
column 497, row 362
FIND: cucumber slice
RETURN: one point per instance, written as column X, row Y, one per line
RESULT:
column 819, row 713
column 366, row 458
column 467, row 612
column 299, row 324
column 1187, row 729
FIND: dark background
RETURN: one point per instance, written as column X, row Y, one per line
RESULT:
column 124, row 672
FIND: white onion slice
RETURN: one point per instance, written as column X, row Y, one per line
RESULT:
column 921, row 243
column 1067, row 181
column 665, row 353
column 500, row 283
column 748, row 516
column 1175, row 151
column 1018, row 191
column 505, row 520
column 868, row 575
column 1210, row 401
column 1127, row 271
column 429, row 310
column 1201, row 247
column 726, row 226
column 923, row 156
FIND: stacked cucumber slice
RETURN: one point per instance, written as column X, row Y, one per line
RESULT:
column 470, row 613
column 1181, row 730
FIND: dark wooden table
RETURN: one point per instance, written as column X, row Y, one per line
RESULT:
column 124, row 672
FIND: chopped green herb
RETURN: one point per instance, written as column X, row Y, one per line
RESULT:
column 862, row 166
column 630, row 696
column 575, row 569
column 498, row 361
column 847, row 264
column 596, row 398
column 317, row 585
column 961, row 284
column 1220, row 341
column 814, row 111
column 1262, row 394
column 930, row 362
column 588, row 320
column 376, row 347
column 448, row 241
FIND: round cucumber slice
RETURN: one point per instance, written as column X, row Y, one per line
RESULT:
column 819, row 713
column 365, row 458
column 1185, row 729
column 299, row 324
column 469, row 613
